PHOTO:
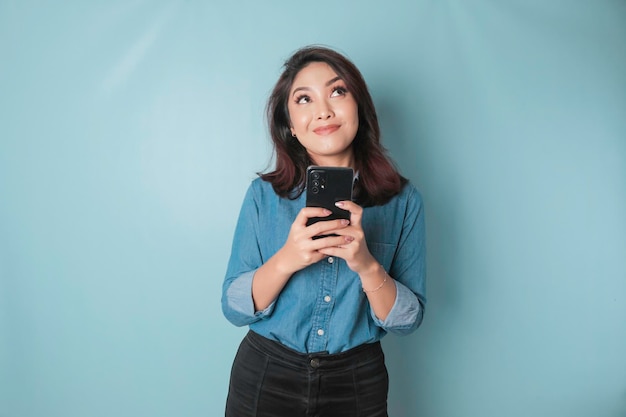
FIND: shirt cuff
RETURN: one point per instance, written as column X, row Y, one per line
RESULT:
column 404, row 314
column 240, row 299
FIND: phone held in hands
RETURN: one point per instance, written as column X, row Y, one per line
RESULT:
column 324, row 187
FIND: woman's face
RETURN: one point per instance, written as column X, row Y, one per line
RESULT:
column 324, row 115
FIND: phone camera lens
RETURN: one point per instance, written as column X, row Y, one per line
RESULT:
column 315, row 190
column 315, row 175
column 316, row 183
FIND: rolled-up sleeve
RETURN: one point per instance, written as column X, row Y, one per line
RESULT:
column 237, row 302
column 245, row 259
column 406, row 314
column 409, row 271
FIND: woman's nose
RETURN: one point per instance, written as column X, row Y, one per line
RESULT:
column 324, row 111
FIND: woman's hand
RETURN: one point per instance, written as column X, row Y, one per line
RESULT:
column 300, row 249
column 350, row 245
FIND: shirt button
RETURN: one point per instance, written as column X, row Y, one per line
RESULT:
column 331, row 259
column 320, row 332
column 327, row 298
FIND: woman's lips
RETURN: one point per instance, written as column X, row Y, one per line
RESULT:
column 326, row 130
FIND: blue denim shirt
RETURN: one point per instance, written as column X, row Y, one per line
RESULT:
column 323, row 307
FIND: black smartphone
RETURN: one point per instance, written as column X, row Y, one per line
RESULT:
column 325, row 186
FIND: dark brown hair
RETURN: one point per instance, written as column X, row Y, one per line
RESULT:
column 379, row 180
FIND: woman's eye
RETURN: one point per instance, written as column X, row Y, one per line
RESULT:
column 339, row 91
column 303, row 99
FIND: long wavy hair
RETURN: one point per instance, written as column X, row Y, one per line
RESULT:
column 379, row 180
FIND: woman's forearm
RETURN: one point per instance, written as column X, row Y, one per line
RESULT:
column 380, row 290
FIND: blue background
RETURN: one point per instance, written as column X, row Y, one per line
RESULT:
column 129, row 131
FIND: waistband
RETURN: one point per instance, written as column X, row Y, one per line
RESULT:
column 361, row 354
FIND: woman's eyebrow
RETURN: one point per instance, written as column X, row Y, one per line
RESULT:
column 328, row 83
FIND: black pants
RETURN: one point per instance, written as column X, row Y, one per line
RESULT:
column 269, row 379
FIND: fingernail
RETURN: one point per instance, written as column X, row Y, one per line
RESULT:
column 349, row 238
column 339, row 204
column 345, row 222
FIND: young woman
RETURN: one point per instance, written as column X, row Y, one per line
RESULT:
column 317, row 308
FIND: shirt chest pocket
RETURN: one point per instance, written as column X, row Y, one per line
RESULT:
column 382, row 252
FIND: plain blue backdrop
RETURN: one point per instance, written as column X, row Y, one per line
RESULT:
column 129, row 131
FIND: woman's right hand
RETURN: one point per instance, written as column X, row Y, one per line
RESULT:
column 300, row 249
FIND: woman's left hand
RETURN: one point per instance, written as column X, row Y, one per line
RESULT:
column 354, row 251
